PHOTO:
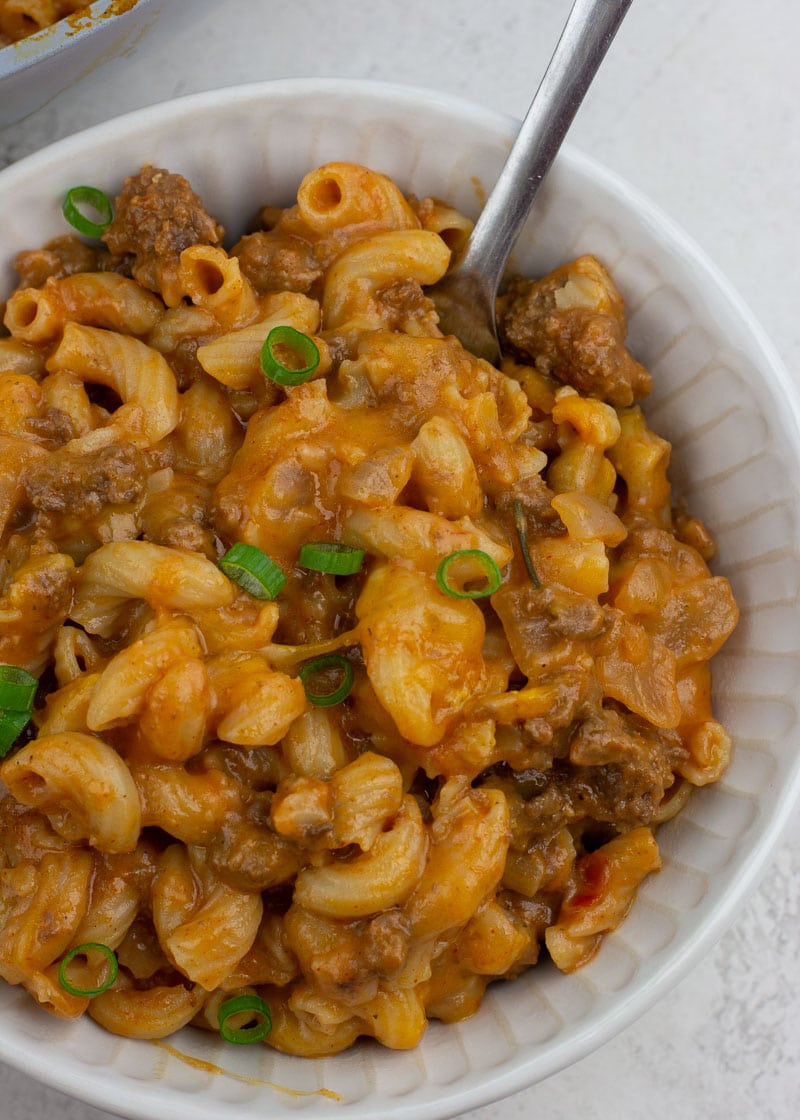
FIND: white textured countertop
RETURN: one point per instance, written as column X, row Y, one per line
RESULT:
column 698, row 105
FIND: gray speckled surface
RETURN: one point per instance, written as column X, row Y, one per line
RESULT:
column 697, row 106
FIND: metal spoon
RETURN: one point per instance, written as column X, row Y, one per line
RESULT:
column 465, row 298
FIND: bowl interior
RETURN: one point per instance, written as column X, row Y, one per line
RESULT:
column 724, row 401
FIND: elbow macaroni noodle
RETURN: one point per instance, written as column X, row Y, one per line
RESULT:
column 489, row 790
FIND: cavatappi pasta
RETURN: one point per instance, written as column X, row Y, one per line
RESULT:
column 20, row 18
column 520, row 716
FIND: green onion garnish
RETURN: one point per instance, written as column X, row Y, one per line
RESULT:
column 473, row 556
column 320, row 665
column 256, row 1009
column 88, row 196
column 84, row 950
column 253, row 570
column 337, row 559
column 17, row 688
column 294, row 347
column 522, row 533
column 12, row 724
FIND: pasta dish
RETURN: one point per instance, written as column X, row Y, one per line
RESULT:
column 20, row 18
column 341, row 672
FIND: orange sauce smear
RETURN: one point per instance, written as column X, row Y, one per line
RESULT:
column 210, row 1067
column 80, row 20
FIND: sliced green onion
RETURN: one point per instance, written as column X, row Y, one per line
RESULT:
column 12, row 724
column 253, row 570
column 17, row 688
column 84, row 950
column 256, row 1010
column 88, row 196
column 297, row 348
column 320, row 665
column 522, row 533
column 337, row 559
column 472, row 557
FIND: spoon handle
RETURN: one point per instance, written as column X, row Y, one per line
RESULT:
column 587, row 35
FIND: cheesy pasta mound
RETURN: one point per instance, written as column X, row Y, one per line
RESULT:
column 363, row 670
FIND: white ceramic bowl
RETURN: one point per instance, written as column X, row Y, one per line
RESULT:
column 40, row 66
column 727, row 405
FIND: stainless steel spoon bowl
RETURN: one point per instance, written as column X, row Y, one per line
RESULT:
column 465, row 298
